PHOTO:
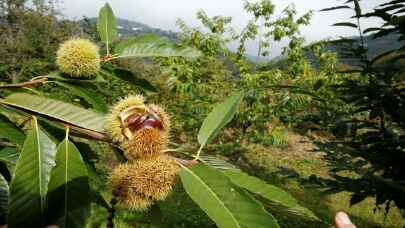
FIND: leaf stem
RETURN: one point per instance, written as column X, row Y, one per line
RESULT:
column 198, row 153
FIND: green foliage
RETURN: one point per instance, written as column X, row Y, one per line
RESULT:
column 226, row 205
column 218, row 118
column 29, row 39
column 272, row 193
column 276, row 136
column 179, row 210
column 376, row 122
column 196, row 72
column 57, row 110
column 9, row 155
column 28, row 188
column 107, row 26
column 150, row 45
column 69, row 194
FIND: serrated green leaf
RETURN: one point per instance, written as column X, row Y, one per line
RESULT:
column 28, row 188
column 88, row 95
column 227, row 205
column 221, row 115
column 269, row 192
column 216, row 162
column 151, row 45
column 69, row 193
column 107, row 25
column 57, row 110
column 4, row 191
column 9, row 155
column 9, row 131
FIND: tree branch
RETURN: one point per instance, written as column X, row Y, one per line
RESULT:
column 24, row 84
column 89, row 133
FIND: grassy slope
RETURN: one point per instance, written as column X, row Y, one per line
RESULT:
column 284, row 167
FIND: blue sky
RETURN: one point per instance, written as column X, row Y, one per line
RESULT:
column 164, row 13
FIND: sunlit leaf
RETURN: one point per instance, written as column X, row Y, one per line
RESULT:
column 57, row 110
column 69, row 195
column 28, row 188
column 218, row 118
column 107, row 25
column 223, row 202
column 269, row 192
column 216, row 162
column 151, row 45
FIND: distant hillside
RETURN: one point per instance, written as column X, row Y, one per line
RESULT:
column 375, row 48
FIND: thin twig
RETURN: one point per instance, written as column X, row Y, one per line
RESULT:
column 24, row 84
column 90, row 133
column 185, row 162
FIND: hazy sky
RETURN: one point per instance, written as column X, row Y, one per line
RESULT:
column 164, row 13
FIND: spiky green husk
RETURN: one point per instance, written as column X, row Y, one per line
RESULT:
column 146, row 143
column 155, row 177
column 78, row 58
column 120, row 185
column 138, row 184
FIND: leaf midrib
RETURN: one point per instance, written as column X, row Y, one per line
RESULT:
column 39, row 162
column 49, row 115
column 66, row 171
column 214, row 194
column 106, row 30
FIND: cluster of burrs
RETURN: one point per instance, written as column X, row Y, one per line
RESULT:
column 142, row 131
